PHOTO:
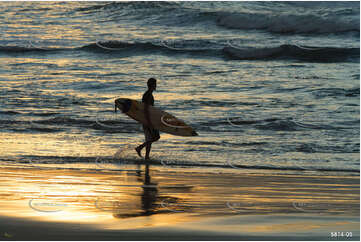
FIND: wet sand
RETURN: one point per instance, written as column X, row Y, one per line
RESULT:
column 163, row 203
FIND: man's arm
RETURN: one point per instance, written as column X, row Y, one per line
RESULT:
column 147, row 116
column 147, row 100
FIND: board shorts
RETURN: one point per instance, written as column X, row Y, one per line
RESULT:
column 150, row 134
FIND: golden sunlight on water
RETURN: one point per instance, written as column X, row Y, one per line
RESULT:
column 274, row 103
column 50, row 145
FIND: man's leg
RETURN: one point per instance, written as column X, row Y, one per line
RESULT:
column 147, row 150
column 147, row 136
column 147, row 144
column 139, row 149
column 154, row 137
column 150, row 137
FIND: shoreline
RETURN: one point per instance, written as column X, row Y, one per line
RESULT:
column 133, row 165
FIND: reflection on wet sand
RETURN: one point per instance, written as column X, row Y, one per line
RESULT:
column 84, row 196
column 163, row 203
column 151, row 202
column 155, row 195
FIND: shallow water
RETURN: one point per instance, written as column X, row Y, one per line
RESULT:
column 267, row 85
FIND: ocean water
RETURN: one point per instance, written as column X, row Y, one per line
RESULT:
column 269, row 86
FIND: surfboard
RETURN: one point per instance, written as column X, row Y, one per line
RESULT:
column 160, row 119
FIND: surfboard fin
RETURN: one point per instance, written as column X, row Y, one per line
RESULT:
column 194, row 133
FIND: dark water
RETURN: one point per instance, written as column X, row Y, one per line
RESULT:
column 267, row 85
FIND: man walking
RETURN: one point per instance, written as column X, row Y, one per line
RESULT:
column 151, row 134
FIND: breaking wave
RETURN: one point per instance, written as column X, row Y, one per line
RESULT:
column 293, row 51
column 204, row 48
column 331, row 19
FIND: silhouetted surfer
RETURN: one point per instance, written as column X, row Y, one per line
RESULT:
column 151, row 134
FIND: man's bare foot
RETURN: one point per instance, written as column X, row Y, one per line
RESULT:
column 138, row 152
column 147, row 158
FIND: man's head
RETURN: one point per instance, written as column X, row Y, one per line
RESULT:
column 152, row 83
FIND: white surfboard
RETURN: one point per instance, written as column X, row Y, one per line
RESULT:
column 161, row 120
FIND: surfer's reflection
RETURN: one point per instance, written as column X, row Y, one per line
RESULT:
column 150, row 200
column 149, row 195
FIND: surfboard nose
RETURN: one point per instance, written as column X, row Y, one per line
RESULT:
column 122, row 104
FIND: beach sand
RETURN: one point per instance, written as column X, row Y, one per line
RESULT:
column 175, row 203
